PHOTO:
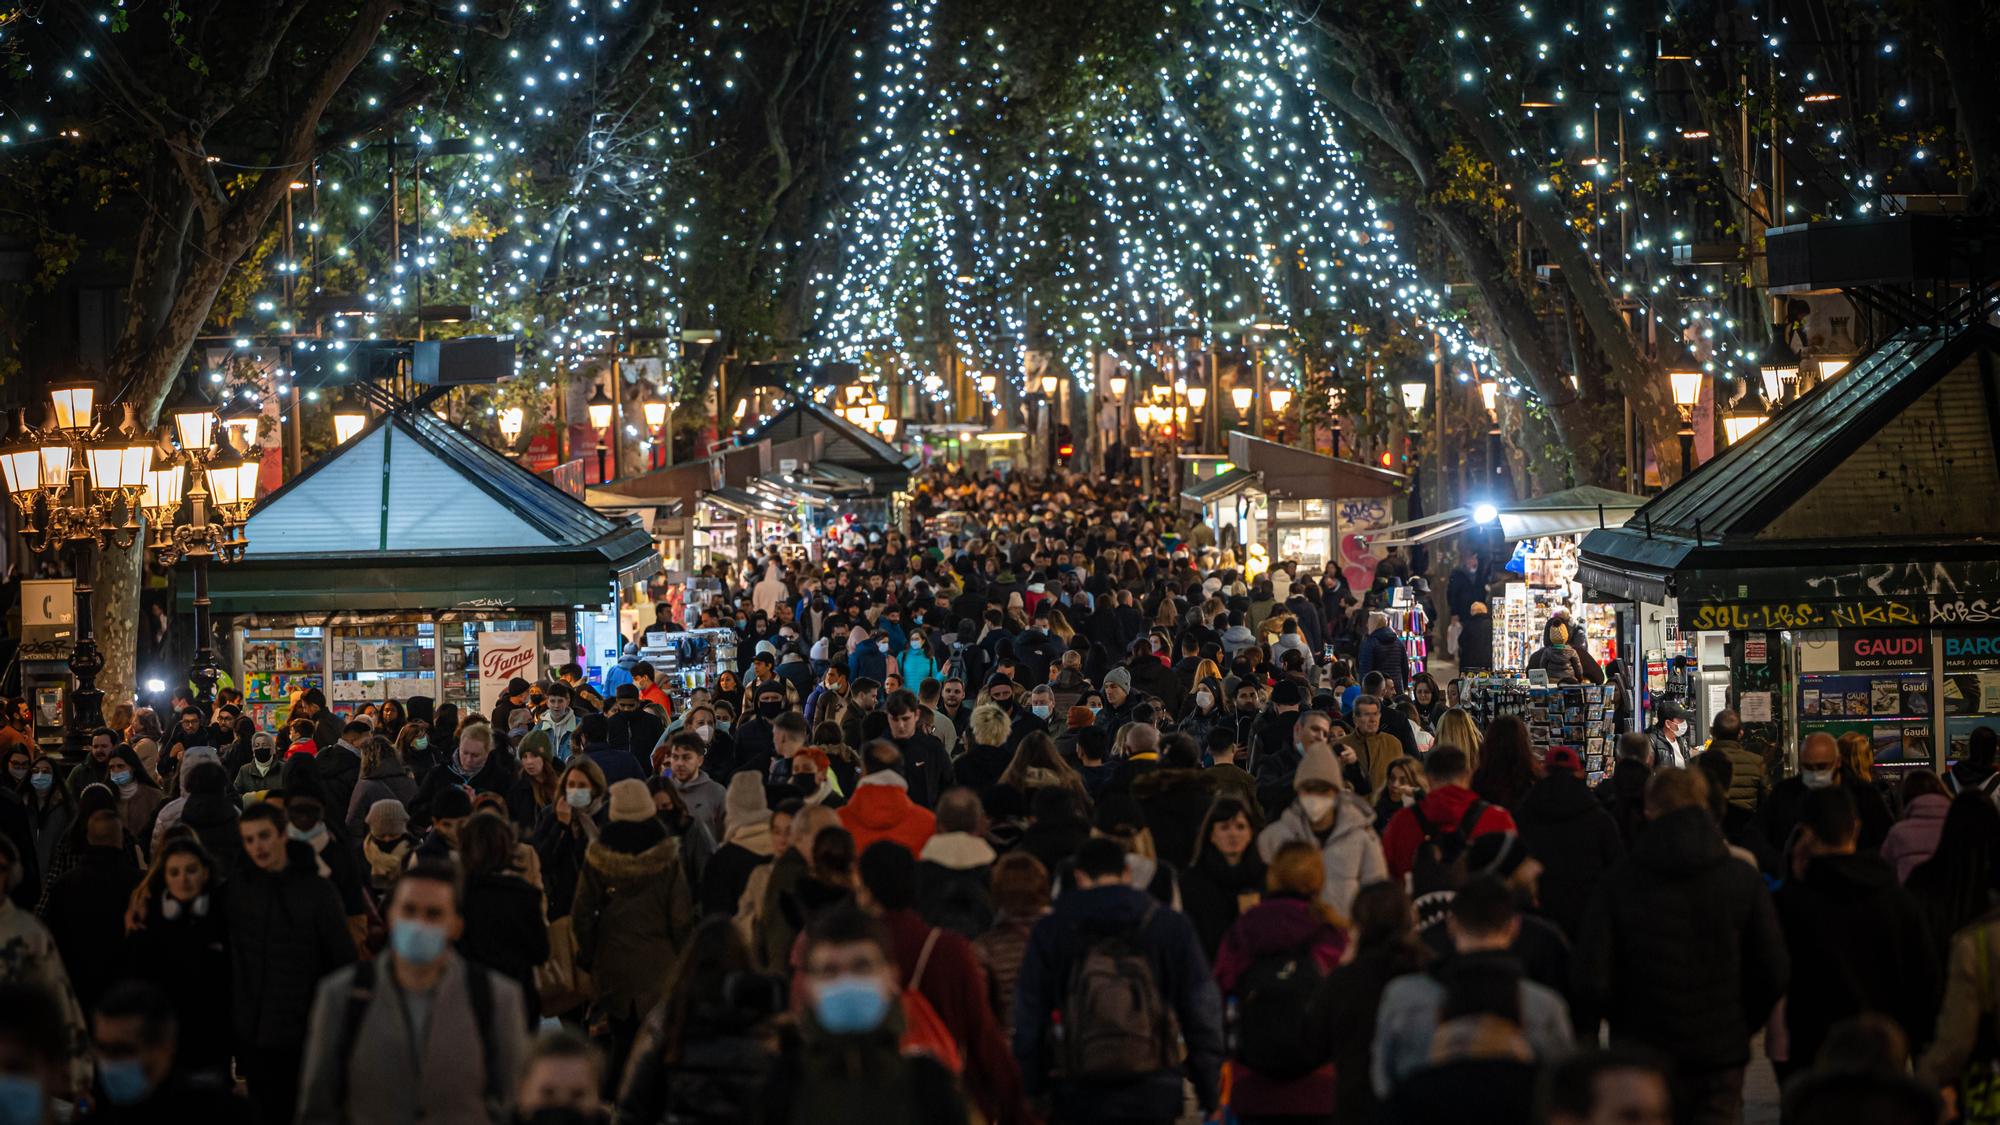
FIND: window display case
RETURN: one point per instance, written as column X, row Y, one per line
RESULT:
column 276, row 663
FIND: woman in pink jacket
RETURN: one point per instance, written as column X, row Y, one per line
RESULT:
column 1913, row 838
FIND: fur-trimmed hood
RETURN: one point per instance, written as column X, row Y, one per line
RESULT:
column 957, row 851
column 1158, row 783
column 623, row 867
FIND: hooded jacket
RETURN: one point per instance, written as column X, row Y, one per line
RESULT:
column 633, row 914
column 1681, row 949
column 1382, row 651
column 1914, row 838
column 1351, row 853
column 389, row 780
column 287, row 930
column 1575, row 841
column 1838, row 919
column 1278, row 925
column 953, row 876
column 881, row 811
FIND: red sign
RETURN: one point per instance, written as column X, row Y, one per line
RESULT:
column 1873, row 649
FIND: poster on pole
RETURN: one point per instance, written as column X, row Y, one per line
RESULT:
column 502, row 656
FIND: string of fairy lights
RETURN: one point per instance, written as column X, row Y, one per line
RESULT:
column 1221, row 195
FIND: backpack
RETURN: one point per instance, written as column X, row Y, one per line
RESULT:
column 1115, row 1022
column 1440, row 861
column 1272, row 999
column 361, row 992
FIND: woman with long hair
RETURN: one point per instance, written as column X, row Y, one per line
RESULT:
column 504, row 928
column 384, row 777
column 50, row 811
column 1036, row 765
column 1507, row 764
column 414, row 745
column 569, row 826
column 1291, row 919
column 177, row 939
column 1872, row 797
column 705, row 1051
column 1955, row 885
column 1227, row 870
column 1428, row 696
column 389, row 721
column 139, row 793
column 535, row 781
column 1456, row 728
column 1382, row 929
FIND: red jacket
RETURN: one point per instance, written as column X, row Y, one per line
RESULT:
column 956, row 989
column 885, row 812
column 1443, row 808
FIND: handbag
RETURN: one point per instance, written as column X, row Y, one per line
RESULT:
column 561, row 982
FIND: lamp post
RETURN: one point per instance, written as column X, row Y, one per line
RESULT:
column 83, row 477
column 600, row 407
column 658, row 408
column 1686, row 383
column 219, row 485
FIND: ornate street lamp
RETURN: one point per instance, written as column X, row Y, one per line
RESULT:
column 81, row 484
column 1415, row 392
column 1241, row 397
column 1116, row 385
column 218, row 484
column 600, row 408
column 512, row 418
column 349, row 416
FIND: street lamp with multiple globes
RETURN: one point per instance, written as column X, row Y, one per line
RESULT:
column 83, row 478
column 218, row 484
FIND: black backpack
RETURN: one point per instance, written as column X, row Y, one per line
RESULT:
column 1440, row 862
column 1116, row 1023
column 1272, row 1001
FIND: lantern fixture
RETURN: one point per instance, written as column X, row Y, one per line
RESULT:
column 1240, row 398
column 22, row 462
column 1415, row 392
column 1742, row 424
column 987, row 383
column 224, row 485
column 349, row 416
column 75, row 406
column 1049, row 386
column 1778, row 370
column 1281, row 397
column 512, row 418
column 1197, row 397
column 600, row 407
column 1118, row 384
column 194, row 419
column 1489, row 396
column 1686, row 383
column 655, row 407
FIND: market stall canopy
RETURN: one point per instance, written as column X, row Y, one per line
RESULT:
column 648, row 510
column 413, row 513
column 846, row 444
column 1286, row 473
column 744, row 502
column 1569, row 512
column 1219, row 487
column 1880, row 486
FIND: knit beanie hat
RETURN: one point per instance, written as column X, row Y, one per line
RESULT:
column 630, row 802
column 745, row 804
column 1318, row 765
column 1121, row 676
column 388, row 819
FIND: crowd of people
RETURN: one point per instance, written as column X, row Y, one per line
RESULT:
column 1037, row 808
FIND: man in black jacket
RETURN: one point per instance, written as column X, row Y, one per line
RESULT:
column 287, row 929
column 1681, row 950
column 926, row 766
column 1570, row 835
column 1840, row 917
column 339, row 765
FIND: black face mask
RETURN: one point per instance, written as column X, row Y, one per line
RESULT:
column 770, row 710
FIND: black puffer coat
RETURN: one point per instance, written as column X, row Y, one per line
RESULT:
column 1680, row 948
column 286, row 931
column 1574, row 839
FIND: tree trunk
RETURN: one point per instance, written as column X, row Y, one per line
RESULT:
column 1965, row 36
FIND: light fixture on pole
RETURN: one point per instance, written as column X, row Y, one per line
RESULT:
column 987, row 383
column 1241, row 398
column 599, row 410
column 1049, row 386
column 1415, row 392
column 1281, row 397
column 241, row 419
column 512, row 420
column 1489, row 396
column 219, row 485
column 1778, row 370
column 1197, row 397
column 1117, row 384
column 350, row 415
column 1741, row 424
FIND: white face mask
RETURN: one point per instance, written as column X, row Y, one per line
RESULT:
column 706, row 731
column 1316, row 805
column 1816, row 779
column 1203, row 700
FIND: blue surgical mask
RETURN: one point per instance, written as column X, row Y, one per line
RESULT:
column 850, row 1005
column 419, row 943
column 122, row 777
column 124, row 1080
column 43, row 782
column 1042, row 710
column 311, row 835
column 578, row 798
column 21, row 1100
column 420, row 743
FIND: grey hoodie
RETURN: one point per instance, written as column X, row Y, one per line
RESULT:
column 704, row 796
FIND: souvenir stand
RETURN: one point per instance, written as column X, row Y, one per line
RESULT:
column 1540, row 540
column 1270, row 502
column 689, row 659
column 1836, row 569
column 407, row 563
column 1579, row 716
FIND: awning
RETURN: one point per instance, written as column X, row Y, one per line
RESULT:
column 1219, row 487
column 1572, row 511
column 743, row 502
